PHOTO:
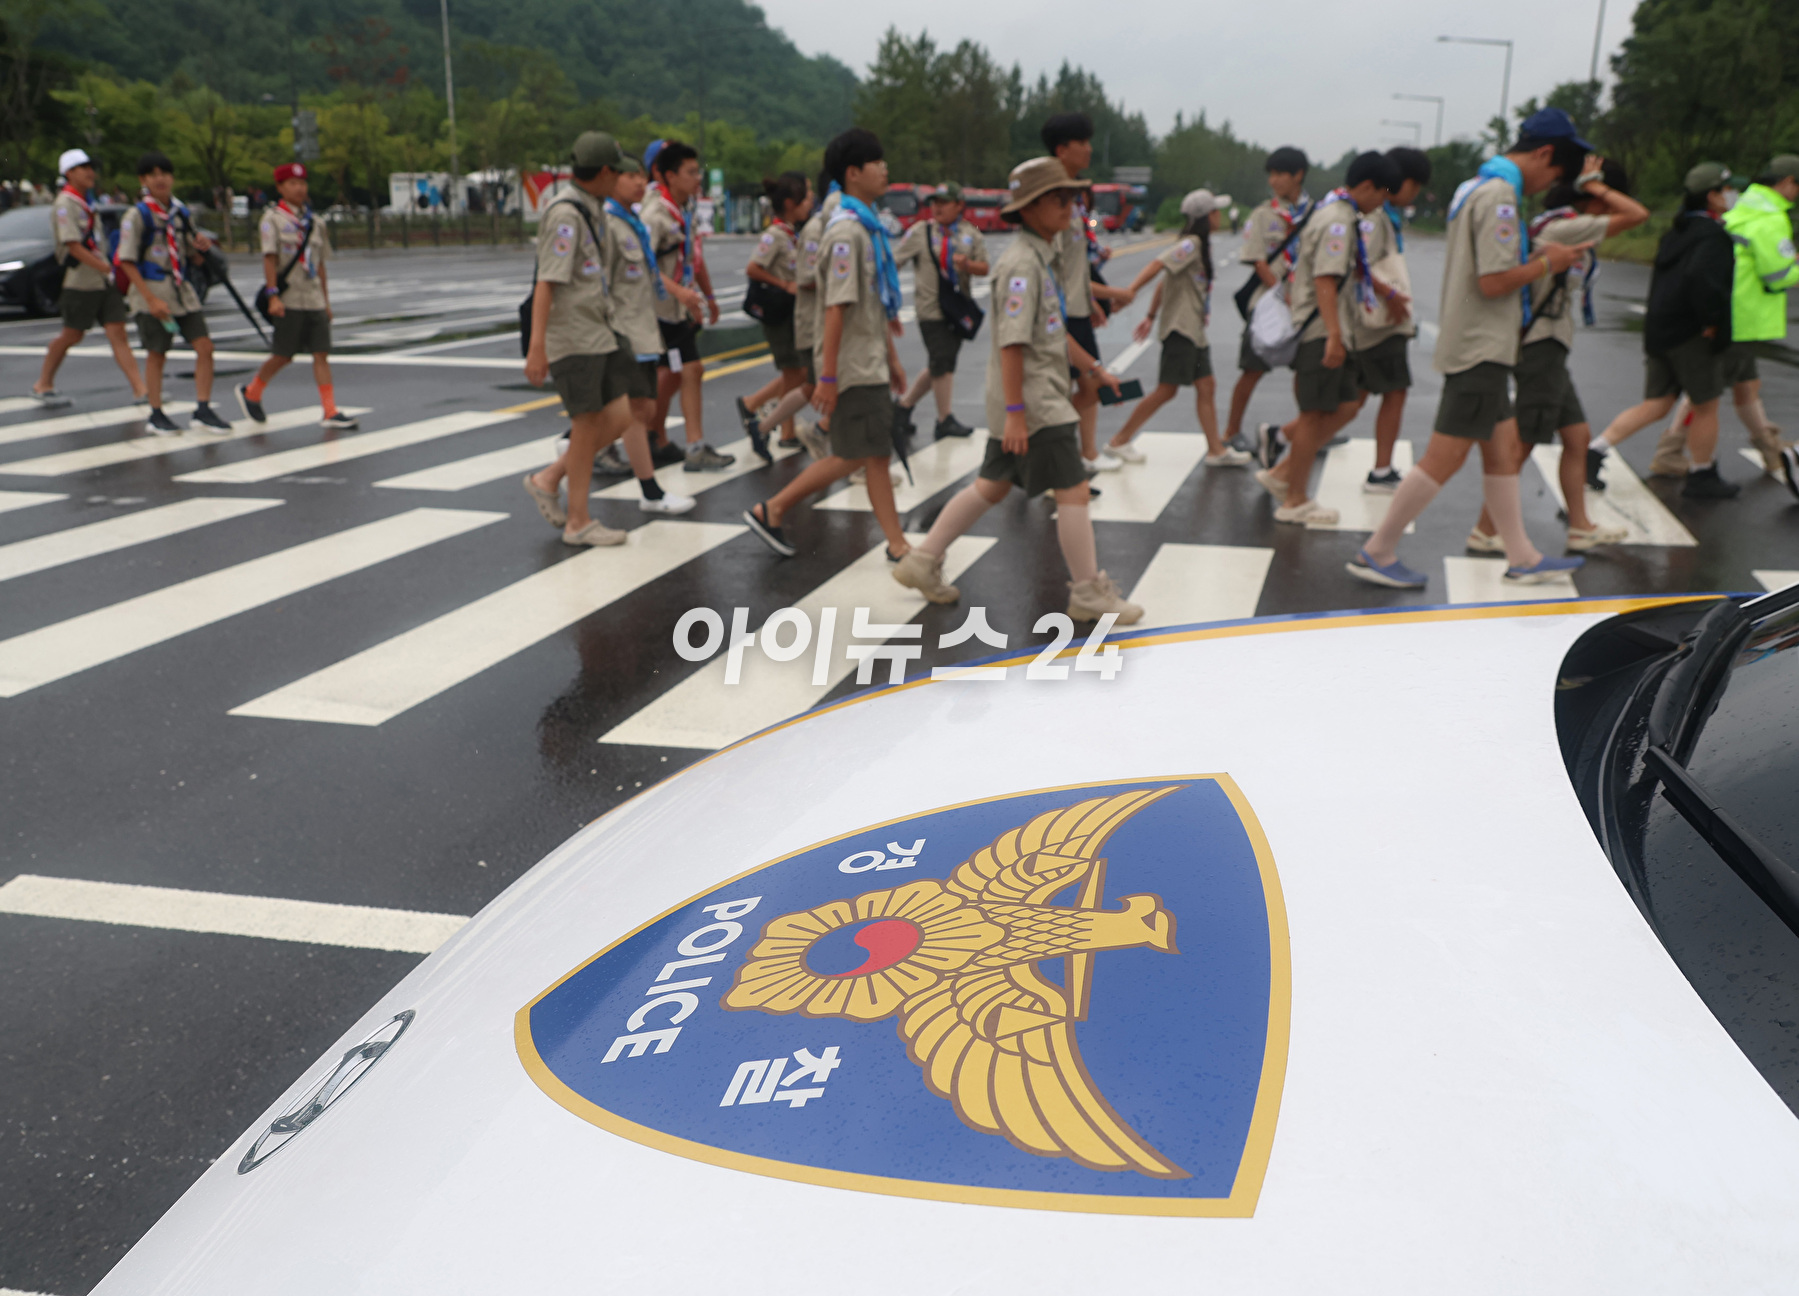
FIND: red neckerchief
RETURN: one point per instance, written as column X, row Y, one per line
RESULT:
column 302, row 219
column 683, row 270
column 168, row 229
column 944, row 259
column 87, row 239
column 784, row 227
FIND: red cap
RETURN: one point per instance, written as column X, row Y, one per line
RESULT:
column 290, row 171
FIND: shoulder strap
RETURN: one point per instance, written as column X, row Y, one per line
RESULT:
column 146, row 228
column 299, row 253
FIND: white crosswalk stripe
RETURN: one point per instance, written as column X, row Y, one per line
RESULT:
column 1189, row 583
column 1481, row 580
column 478, row 470
column 149, row 447
column 10, row 500
column 1340, row 482
column 1625, row 501
column 934, row 467
column 1139, row 492
column 24, row 557
column 705, row 712
column 327, row 454
column 1772, row 579
column 86, row 422
column 65, row 648
column 378, row 684
column 16, row 405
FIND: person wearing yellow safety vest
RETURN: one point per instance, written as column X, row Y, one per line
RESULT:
column 1760, row 224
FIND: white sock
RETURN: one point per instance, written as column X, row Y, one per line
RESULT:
column 1603, row 446
column 1074, row 529
column 1410, row 498
column 963, row 511
column 1508, row 516
column 1702, row 467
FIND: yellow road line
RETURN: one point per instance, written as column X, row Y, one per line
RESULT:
column 528, row 406
column 745, row 350
column 1148, row 245
column 741, row 365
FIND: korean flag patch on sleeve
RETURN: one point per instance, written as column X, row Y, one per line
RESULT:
column 1019, row 283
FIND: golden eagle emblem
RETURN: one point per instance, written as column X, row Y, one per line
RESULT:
column 957, row 962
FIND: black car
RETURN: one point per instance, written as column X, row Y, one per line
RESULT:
column 30, row 274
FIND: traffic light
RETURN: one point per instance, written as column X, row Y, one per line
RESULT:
column 306, row 135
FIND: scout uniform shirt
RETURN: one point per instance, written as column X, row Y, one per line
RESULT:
column 923, row 245
column 1482, row 240
column 1551, row 312
column 776, row 253
column 1184, row 307
column 1359, row 334
column 670, row 234
column 1326, row 248
column 1072, row 268
column 74, row 222
column 567, row 256
column 1265, row 230
column 809, row 306
column 282, row 231
column 1029, row 315
column 630, row 275
column 181, row 297
column 846, row 268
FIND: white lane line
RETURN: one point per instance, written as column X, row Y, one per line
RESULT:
column 10, row 500
column 1480, row 580
column 149, row 447
column 478, row 470
column 379, row 683
column 1755, row 457
column 1772, row 579
column 13, row 405
column 172, row 909
column 65, row 648
column 934, row 467
column 1189, row 583
column 1139, row 492
column 1625, row 502
column 257, row 357
column 88, row 422
column 40, row 552
column 1129, row 356
column 703, row 711
column 1340, row 485
column 676, row 480
column 327, row 453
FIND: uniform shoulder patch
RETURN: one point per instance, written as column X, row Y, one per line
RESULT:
column 1505, row 211
column 1014, row 305
column 1339, row 228
column 1018, row 283
column 1185, row 247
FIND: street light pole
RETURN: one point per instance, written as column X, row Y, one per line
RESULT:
column 1417, row 128
column 1505, row 93
column 443, row 7
column 1436, row 99
column 1598, row 35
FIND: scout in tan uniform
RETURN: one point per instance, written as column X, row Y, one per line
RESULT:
column 89, row 296
column 857, row 364
column 295, row 246
column 572, row 338
column 1485, row 272
column 1595, row 207
column 1266, row 230
column 1028, row 391
column 809, row 313
column 943, row 249
column 669, row 213
column 1185, row 308
column 158, row 246
column 776, row 264
column 1380, row 354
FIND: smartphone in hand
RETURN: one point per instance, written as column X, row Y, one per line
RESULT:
column 1129, row 390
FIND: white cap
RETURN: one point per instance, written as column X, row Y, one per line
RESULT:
column 71, row 159
column 1203, row 202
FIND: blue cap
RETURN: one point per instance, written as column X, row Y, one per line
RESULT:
column 649, row 154
column 1551, row 123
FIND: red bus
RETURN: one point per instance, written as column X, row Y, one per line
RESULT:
column 980, row 208
column 1113, row 203
column 906, row 203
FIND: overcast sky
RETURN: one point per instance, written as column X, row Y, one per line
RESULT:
column 1292, row 72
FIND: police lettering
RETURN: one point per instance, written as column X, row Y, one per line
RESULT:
column 673, row 1002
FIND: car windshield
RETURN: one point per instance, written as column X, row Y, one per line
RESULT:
column 1106, row 203
column 901, row 202
column 23, row 223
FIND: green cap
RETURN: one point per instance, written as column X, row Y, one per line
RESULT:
column 630, row 166
column 1708, row 176
column 949, row 191
column 1784, row 167
column 597, row 149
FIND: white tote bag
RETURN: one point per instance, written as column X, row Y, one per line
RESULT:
column 1272, row 331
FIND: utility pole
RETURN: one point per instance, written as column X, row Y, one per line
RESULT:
column 450, row 98
column 1505, row 93
column 1598, row 36
column 1436, row 99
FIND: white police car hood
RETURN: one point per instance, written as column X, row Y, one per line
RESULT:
column 1284, row 962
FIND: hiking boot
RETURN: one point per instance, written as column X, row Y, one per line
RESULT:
column 1090, row 600
column 611, row 462
column 918, row 570
column 1709, row 483
column 951, row 426
column 701, row 457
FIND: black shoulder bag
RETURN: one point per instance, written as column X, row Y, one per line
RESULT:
column 767, row 304
column 959, row 311
column 264, row 293
column 526, row 307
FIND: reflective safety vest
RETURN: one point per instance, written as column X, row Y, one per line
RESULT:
column 1762, row 229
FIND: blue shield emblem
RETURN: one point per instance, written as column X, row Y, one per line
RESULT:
column 1068, row 999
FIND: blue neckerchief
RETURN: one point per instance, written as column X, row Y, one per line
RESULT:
column 1396, row 218
column 1364, row 278
column 886, row 270
column 635, row 221
column 834, row 189
column 1507, row 170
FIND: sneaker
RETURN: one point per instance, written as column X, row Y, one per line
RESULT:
column 1090, row 467
column 1105, row 463
column 1393, row 575
column 859, row 476
column 1090, row 600
column 549, row 503
column 1125, row 452
column 54, row 399
column 612, row 462
column 817, row 444
column 597, row 534
column 207, row 417
column 1708, row 483
column 1595, row 461
column 670, row 505
column 1382, row 481
column 1273, row 485
column 1309, row 513
column 1481, row 542
column 667, row 455
column 1546, row 569
column 703, row 458
column 339, row 422
column 160, row 424
column 951, row 426
column 1580, row 539
column 1268, row 444
column 1789, row 469
column 752, row 428
column 252, row 409
column 918, row 570
column 1229, row 458
column 766, row 532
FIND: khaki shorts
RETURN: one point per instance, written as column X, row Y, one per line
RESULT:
column 1184, row 362
column 83, row 308
column 1693, row 368
column 1475, row 401
column 1547, row 402
column 302, row 332
column 1319, row 389
column 581, row 381
column 941, row 346
column 1383, row 367
column 862, row 423
column 155, row 336
column 628, row 376
column 780, row 345
column 1051, row 461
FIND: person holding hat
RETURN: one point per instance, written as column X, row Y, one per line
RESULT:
column 1761, row 225
column 295, row 247
column 89, row 296
column 1268, row 248
column 1686, row 332
column 943, row 249
column 1038, row 445
column 1184, row 310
